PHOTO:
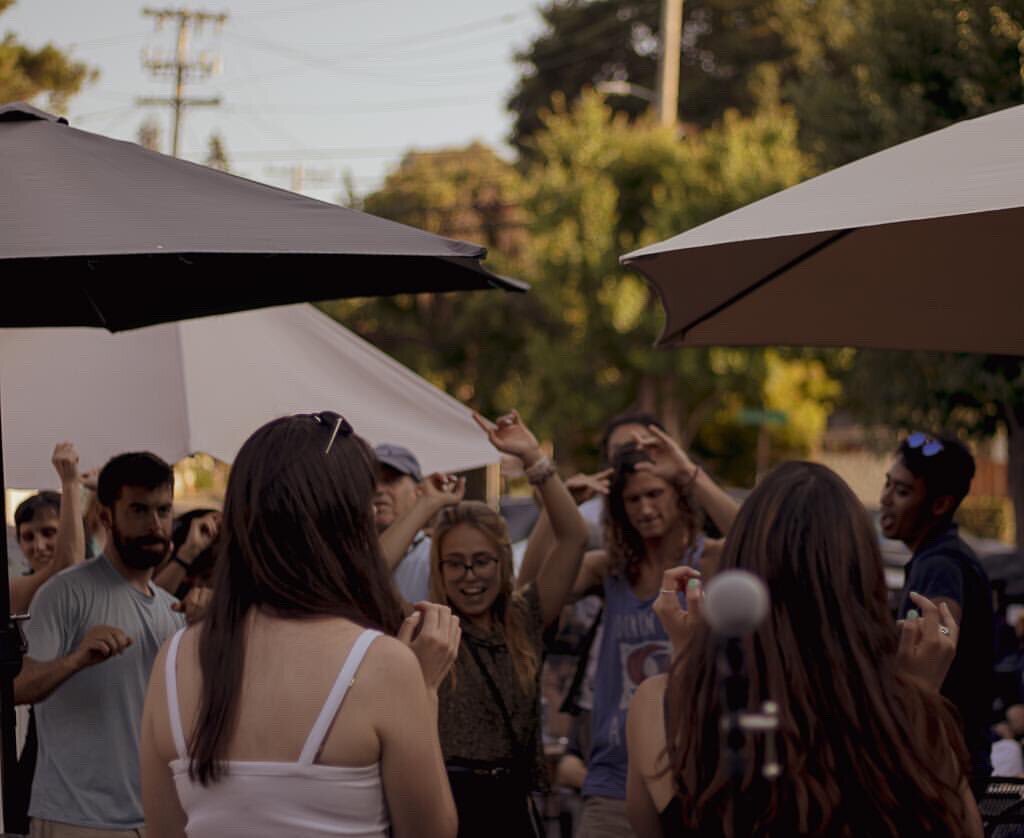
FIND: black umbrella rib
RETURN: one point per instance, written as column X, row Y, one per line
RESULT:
column 792, row 263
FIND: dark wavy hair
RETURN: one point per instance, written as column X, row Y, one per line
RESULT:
column 865, row 748
column 624, row 544
column 297, row 539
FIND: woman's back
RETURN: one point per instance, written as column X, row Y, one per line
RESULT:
column 305, row 755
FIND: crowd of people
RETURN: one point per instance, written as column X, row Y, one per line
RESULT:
column 350, row 647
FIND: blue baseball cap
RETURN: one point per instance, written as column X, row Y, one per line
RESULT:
column 400, row 459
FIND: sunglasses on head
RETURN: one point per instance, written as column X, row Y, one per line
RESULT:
column 337, row 424
column 929, row 446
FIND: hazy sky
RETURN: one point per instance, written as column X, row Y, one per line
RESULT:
column 336, row 85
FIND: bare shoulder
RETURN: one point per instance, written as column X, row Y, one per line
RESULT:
column 390, row 662
column 596, row 561
column 650, row 694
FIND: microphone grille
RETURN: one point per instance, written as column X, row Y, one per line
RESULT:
column 735, row 603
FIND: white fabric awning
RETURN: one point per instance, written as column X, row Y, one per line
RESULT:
column 204, row 385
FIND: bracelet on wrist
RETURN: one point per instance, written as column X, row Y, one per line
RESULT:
column 691, row 482
column 179, row 560
column 540, row 471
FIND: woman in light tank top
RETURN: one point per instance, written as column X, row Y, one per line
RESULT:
column 290, row 709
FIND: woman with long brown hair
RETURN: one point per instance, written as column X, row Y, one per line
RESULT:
column 489, row 717
column 289, row 711
column 867, row 746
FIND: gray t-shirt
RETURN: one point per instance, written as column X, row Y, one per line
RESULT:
column 88, row 767
column 412, row 576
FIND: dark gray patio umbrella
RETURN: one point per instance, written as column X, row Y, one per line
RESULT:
column 98, row 232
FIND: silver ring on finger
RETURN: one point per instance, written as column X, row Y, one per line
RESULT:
column 943, row 630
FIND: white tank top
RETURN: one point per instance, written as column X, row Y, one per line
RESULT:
column 282, row 799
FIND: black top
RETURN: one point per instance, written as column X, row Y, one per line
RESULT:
column 945, row 566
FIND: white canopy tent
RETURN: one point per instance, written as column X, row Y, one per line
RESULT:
column 204, row 385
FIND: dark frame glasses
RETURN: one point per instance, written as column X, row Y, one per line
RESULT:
column 929, row 446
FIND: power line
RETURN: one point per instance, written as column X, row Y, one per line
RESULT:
column 428, row 40
column 305, row 7
column 337, row 153
column 338, row 66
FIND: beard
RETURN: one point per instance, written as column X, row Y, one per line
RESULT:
column 140, row 553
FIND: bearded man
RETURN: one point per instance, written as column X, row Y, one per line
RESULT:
column 105, row 611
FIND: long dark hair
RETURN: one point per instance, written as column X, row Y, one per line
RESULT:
column 297, row 539
column 865, row 749
column 624, row 544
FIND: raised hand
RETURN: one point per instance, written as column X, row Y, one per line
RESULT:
column 677, row 621
column 99, row 644
column 433, row 633
column 194, row 605
column 668, row 460
column 65, row 461
column 89, row 479
column 443, row 489
column 928, row 643
column 583, row 487
column 202, row 532
column 510, row 436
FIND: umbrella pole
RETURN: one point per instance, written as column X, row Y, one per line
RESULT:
column 12, row 648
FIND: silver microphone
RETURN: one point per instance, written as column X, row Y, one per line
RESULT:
column 735, row 603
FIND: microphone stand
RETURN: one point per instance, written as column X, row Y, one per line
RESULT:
column 737, row 722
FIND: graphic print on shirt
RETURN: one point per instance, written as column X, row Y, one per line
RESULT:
column 641, row 661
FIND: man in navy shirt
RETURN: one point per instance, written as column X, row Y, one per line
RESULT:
column 924, row 486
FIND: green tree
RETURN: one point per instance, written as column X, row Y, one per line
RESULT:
column 861, row 74
column 600, row 187
column 578, row 347
column 468, row 344
column 26, row 73
column 898, row 69
column 973, row 395
column 586, row 42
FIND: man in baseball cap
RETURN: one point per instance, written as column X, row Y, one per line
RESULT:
column 398, row 480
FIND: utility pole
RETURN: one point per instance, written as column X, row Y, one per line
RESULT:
column 301, row 177
column 181, row 69
column 668, row 61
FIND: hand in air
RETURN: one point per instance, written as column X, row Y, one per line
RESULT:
column 510, row 436
column 668, row 460
column 583, row 487
column 65, row 461
column 443, row 489
column 928, row 642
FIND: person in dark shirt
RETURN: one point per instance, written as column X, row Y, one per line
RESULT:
column 924, row 486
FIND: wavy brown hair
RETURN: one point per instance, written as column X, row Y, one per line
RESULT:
column 865, row 749
column 298, row 540
column 625, row 545
column 508, row 608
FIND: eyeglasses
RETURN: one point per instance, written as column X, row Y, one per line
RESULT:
column 929, row 446
column 330, row 419
column 482, row 566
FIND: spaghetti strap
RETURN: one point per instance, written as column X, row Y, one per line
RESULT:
column 341, row 684
column 173, row 707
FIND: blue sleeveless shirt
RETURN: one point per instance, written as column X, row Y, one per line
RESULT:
column 634, row 647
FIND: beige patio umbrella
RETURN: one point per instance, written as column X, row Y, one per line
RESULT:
column 915, row 247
